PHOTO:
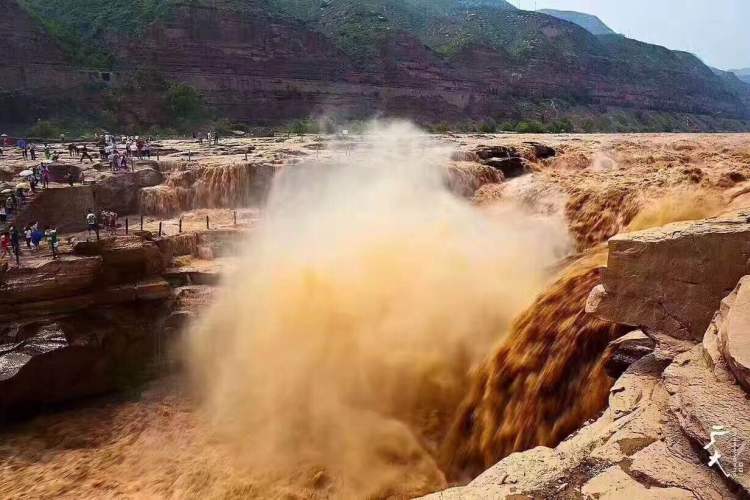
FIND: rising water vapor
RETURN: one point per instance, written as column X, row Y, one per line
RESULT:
column 346, row 336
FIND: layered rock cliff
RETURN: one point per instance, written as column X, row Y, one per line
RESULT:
column 265, row 62
column 675, row 407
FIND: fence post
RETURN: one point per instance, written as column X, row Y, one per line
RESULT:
column 180, row 225
column 159, row 229
column 207, row 223
column 126, row 226
column 141, row 222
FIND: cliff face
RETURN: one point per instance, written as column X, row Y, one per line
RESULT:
column 31, row 65
column 257, row 65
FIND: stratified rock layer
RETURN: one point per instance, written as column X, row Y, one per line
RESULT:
column 672, row 409
column 671, row 280
column 90, row 322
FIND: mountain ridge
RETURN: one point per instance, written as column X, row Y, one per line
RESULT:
column 271, row 61
column 589, row 22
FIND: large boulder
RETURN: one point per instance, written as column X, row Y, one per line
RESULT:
column 734, row 332
column 671, row 280
column 62, row 208
column 465, row 178
column 488, row 152
column 510, row 167
column 124, row 258
column 121, row 192
column 63, row 277
column 90, row 352
column 148, row 177
column 635, row 448
column 623, row 352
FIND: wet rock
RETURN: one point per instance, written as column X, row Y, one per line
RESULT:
column 72, row 356
column 464, row 179
column 734, row 332
column 488, row 152
column 671, row 280
column 47, row 369
column 510, row 167
column 637, row 430
column 730, row 179
column 627, row 350
column 542, row 151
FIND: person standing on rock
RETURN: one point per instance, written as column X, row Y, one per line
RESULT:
column 54, row 242
column 45, row 176
column 27, row 236
column 15, row 243
column 91, row 222
column 5, row 245
column 36, row 236
column 32, row 150
column 85, row 155
column 9, row 205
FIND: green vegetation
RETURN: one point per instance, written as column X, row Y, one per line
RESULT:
column 45, row 129
column 83, row 26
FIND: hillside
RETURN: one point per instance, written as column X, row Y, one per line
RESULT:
column 742, row 74
column 590, row 23
column 447, row 62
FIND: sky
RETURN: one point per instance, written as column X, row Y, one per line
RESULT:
column 717, row 31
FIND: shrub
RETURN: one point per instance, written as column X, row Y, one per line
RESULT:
column 45, row 129
column 488, row 127
column 184, row 104
column 530, row 127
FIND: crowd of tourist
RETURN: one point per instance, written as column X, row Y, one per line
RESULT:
column 12, row 200
column 119, row 151
column 10, row 240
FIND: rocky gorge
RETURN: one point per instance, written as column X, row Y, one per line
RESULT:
column 608, row 384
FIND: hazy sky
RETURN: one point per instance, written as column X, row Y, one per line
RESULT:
column 718, row 31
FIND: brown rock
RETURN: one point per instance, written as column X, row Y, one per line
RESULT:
column 615, row 484
column 677, row 468
column 125, row 258
column 671, row 280
column 626, row 350
column 67, row 276
column 734, row 333
column 510, row 167
column 701, row 399
column 487, row 152
column 464, row 179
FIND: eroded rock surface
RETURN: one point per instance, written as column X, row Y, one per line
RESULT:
column 734, row 332
column 93, row 321
column 673, row 408
column 671, row 280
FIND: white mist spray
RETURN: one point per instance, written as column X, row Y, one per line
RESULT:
column 346, row 336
